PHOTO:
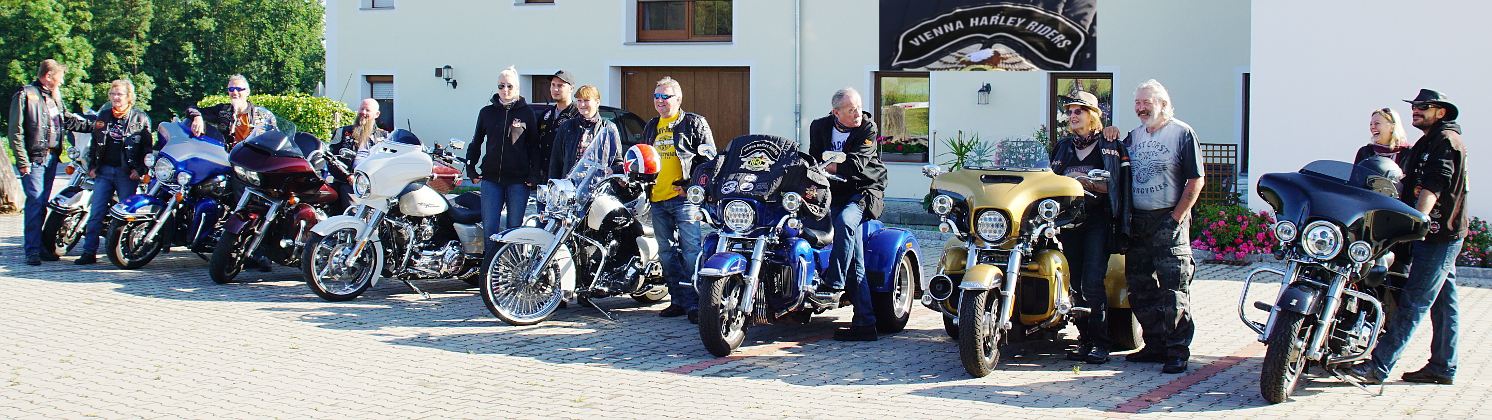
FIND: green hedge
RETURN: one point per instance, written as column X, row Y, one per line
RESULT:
column 311, row 114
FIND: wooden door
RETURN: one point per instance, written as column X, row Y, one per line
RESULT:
column 721, row 94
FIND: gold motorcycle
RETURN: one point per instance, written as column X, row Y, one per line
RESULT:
column 1003, row 277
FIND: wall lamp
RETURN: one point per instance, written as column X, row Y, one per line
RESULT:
column 984, row 94
column 447, row 73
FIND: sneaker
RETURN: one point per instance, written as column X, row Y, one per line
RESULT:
column 1147, row 355
column 671, row 311
column 1098, row 356
column 1362, row 374
column 48, row 256
column 1081, row 353
column 693, row 316
column 1424, row 376
column 86, row 259
column 33, row 259
column 857, row 333
column 1174, row 365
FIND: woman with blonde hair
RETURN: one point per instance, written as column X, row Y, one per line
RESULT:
column 116, row 159
column 1388, row 137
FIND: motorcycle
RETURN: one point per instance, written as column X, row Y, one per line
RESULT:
column 764, row 265
column 67, row 215
column 401, row 225
column 1337, row 224
column 284, row 196
column 1003, row 277
column 592, row 245
column 183, row 205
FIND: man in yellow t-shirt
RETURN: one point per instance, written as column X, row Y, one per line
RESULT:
column 677, row 135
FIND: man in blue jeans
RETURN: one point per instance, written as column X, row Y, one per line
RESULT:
column 678, row 136
column 37, row 125
column 1435, row 184
column 854, row 199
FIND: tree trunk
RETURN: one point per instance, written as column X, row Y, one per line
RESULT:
column 11, row 195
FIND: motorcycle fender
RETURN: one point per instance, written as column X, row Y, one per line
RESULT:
column 70, row 198
column 1300, row 298
column 237, row 221
column 139, row 205
column 205, row 218
column 1115, row 283
column 647, row 248
column 525, row 235
column 982, row 277
column 724, row 264
column 883, row 249
column 339, row 222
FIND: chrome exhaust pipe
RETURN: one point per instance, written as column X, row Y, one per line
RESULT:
column 940, row 287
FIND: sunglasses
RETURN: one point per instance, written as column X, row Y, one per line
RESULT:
column 1075, row 111
column 237, row 89
column 503, row 86
column 662, row 96
column 1422, row 107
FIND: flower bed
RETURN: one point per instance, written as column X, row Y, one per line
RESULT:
column 1232, row 233
column 1476, row 249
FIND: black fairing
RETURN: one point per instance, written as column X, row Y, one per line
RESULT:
column 1321, row 191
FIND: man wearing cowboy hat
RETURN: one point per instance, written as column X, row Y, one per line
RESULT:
column 1435, row 184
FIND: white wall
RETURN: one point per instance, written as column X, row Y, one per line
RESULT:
column 1317, row 79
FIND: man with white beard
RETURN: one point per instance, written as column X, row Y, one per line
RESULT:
column 359, row 138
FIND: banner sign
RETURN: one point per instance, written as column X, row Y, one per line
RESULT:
column 982, row 35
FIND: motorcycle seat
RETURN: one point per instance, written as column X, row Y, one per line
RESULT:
column 307, row 143
column 817, row 238
column 466, row 208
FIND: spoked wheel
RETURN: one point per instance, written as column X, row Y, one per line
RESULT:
column 228, row 256
column 979, row 335
column 894, row 308
column 128, row 248
column 1284, row 360
column 653, row 294
column 722, row 323
column 332, row 271
column 61, row 231
column 517, row 290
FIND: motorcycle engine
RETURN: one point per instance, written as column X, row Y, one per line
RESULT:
column 439, row 262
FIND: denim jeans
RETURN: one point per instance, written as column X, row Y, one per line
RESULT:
column 680, row 256
column 1431, row 288
column 497, row 196
column 37, row 185
column 111, row 180
column 1088, row 256
column 847, row 261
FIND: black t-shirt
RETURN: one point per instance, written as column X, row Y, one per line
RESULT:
column 1096, row 207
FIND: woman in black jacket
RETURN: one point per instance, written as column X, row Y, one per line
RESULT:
column 504, row 155
column 116, row 159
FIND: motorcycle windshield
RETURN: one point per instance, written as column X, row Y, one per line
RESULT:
column 1320, row 191
column 178, row 143
column 1008, row 155
column 589, row 170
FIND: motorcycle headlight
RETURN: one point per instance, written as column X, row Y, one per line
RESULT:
column 248, row 176
column 560, row 194
column 739, row 216
column 792, row 201
column 1285, row 231
column 992, row 225
column 183, row 178
column 1321, row 240
column 695, row 194
column 1360, row 251
column 72, row 154
column 1048, row 209
column 150, row 160
column 942, row 204
column 164, row 170
column 362, row 186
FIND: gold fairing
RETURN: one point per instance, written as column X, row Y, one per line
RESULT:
column 955, row 257
column 1050, row 265
column 1013, row 198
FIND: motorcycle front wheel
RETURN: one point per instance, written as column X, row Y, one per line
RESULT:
column 327, row 270
column 128, row 248
column 722, row 323
column 979, row 333
column 516, row 290
column 1284, row 360
column 227, row 257
column 894, row 308
column 61, row 231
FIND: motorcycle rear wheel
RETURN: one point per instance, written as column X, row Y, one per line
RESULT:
column 722, row 323
column 979, row 335
column 127, row 246
column 1284, row 360
column 893, row 309
column 227, row 257
column 351, row 281
column 516, row 290
column 61, row 231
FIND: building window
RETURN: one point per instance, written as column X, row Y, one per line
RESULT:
column 901, row 109
column 382, row 90
column 538, row 90
column 536, row 1
column 683, row 20
column 377, row 4
column 1065, row 85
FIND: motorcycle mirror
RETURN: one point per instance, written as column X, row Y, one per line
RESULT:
column 833, row 157
column 90, row 111
column 457, row 144
column 708, row 151
column 931, row 171
column 1098, row 174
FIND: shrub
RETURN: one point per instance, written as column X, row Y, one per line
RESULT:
column 315, row 115
column 1233, row 231
column 908, row 145
column 1476, row 249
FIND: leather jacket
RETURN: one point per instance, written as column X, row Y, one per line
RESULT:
column 341, row 140
column 222, row 117
column 37, row 124
column 690, row 132
column 1116, row 160
column 862, row 170
column 132, row 132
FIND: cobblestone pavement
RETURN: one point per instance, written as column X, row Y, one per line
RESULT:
column 165, row 342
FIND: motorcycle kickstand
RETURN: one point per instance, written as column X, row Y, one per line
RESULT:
column 202, row 256
column 417, row 289
column 1359, row 385
column 602, row 311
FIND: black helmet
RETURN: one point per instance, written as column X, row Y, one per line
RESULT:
column 1377, row 173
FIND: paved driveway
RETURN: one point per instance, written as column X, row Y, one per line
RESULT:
column 165, row 342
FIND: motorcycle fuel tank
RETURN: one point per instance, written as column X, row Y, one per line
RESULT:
column 423, row 202
column 601, row 207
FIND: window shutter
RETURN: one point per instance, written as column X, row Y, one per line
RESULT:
column 383, row 90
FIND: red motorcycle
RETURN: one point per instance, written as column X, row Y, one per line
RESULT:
column 285, row 194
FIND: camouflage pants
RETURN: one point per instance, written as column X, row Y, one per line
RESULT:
column 1159, row 269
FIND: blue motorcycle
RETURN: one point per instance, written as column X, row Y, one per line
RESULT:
column 185, row 201
column 766, row 261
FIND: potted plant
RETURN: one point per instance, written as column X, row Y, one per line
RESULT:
column 913, row 149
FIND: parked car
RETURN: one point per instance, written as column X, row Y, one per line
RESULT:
column 628, row 123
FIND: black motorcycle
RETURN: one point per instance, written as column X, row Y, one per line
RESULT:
column 1337, row 224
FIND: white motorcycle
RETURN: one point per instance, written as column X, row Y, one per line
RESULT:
column 596, row 241
column 401, row 224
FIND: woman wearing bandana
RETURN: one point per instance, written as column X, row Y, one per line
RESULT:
column 1088, row 246
column 116, row 159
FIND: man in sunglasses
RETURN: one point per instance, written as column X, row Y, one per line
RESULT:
column 1435, row 184
column 678, row 136
column 238, row 119
column 38, row 123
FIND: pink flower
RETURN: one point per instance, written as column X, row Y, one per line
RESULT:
column 1240, row 217
column 1221, row 213
column 1238, row 255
